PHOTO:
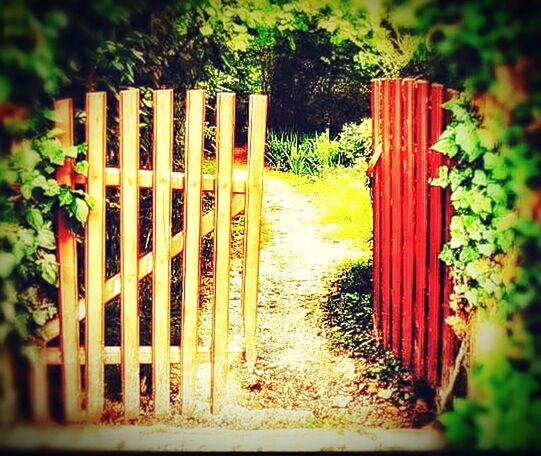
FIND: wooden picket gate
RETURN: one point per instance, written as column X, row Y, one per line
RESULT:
column 232, row 196
column 411, row 223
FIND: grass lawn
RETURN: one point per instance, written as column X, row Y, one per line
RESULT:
column 343, row 197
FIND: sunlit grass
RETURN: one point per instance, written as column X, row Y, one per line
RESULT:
column 342, row 196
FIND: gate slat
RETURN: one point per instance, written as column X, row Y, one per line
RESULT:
column 436, row 236
column 222, row 240
column 68, row 294
column 161, row 296
column 421, row 238
column 129, row 245
column 396, row 208
column 95, row 253
column 408, row 216
column 386, row 220
column 195, row 109
column 254, row 192
column 39, row 384
column 376, row 196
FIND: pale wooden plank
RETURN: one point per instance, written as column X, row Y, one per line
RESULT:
column 254, row 192
column 39, row 383
column 112, row 286
column 112, row 355
column 129, row 248
column 68, row 294
column 8, row 399
column 146, row 180
column 163, row 150
column 95, row 253
column 222, row 241
column 195, row 116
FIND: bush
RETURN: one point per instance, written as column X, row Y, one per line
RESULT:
column 355, row 141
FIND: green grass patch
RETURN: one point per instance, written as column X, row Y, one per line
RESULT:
column 342, row 196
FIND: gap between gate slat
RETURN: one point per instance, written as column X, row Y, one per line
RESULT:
column 222, row 240
column 435, row 298
column 421, row 220
column 95, row 253
column 163, row 149
column 195, row 117
column 68, row 294
column 129, row 245
column 396, row 208
column 254, row 192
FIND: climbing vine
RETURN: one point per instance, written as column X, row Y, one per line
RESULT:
column 28, row 206
column 495, row 245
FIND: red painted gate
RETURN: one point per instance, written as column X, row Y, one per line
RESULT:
column 411, row 224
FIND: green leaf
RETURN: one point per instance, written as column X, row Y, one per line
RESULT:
column 71, row 151
column 46, row 239
column 479, row 178
column 81, row 167
column 49, row 269
column 8, row 262
column 21, row 325
column 65, row 198
column 34, row 218
column 80, row 210
column 51, row 188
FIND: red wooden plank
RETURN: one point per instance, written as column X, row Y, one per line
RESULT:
column 376, row 196
column 448, row 336
column 386, row 218
column 436, row 238
column 396, row 215
column 408, row 216
column 421, row 138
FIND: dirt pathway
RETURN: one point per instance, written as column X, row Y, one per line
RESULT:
column 298, row 374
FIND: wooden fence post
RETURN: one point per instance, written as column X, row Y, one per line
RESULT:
column 161, row 297
column 68, row 295
column 129, row 244
column 396, row 208
column 386, row 220
column 195, row 117
column 254, row 193
column 95, row 253
column 421, row 220
column 222, row 241
column 408, row 216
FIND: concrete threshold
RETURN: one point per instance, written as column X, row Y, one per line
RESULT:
column 170, row 438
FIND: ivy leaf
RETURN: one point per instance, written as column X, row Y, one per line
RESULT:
column 34, row 218
column 51, row 188
column 80, row 210
column 65, row 198
column 71, row 151
column 81, row 167
column 46, row 238
column 443, row 177
column 48, row 268
column 446, row 145
column 51, row 150
column 8, row 262
column 479, row 178
column 21, row 325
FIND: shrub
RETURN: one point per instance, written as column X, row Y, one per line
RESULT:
column 355, row 141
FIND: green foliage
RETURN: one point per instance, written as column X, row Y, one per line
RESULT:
column 495, row 237
column 29, row 201
column 355, row 141
column 314, row 154
column 348, row 314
